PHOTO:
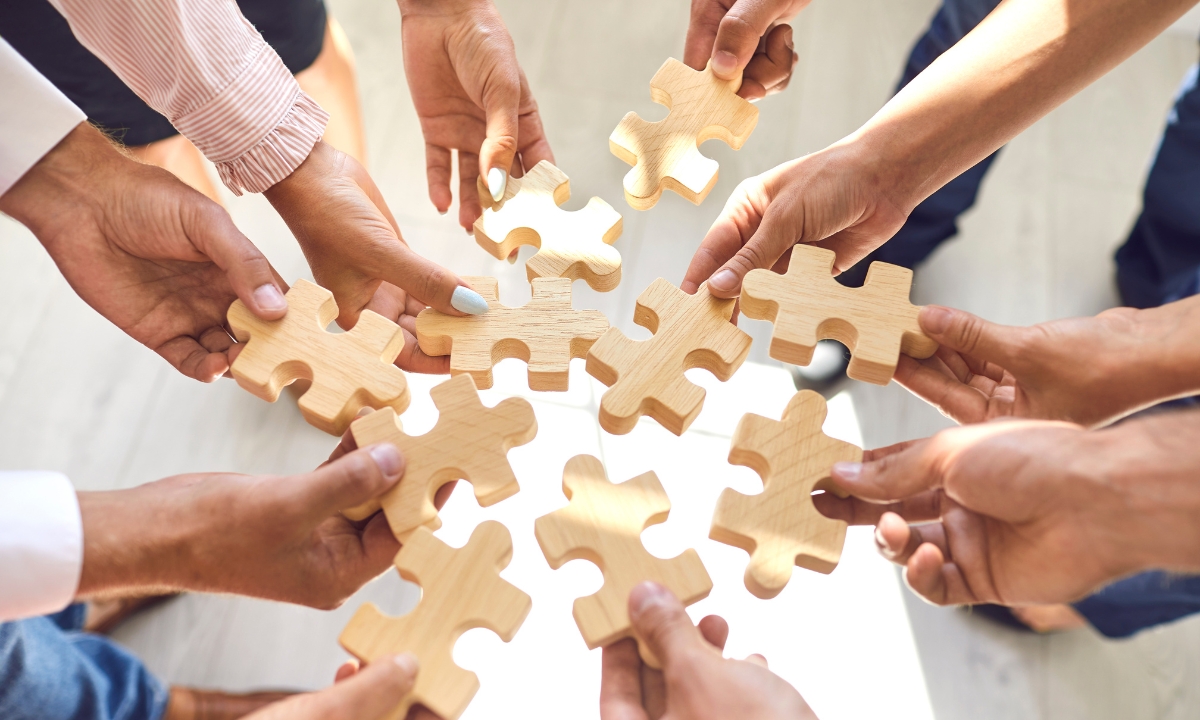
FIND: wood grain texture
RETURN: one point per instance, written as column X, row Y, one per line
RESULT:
column 545, row 332
column 780, row 527
column 603, row 524
column 348, row 371
column 646, row 377
column 469, row 442
column 461, row 589
column 876, row 322
column 665, row 154
column 576, row 245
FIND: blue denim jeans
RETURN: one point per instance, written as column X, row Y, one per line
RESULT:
column 1159, row 263
column 51, row 670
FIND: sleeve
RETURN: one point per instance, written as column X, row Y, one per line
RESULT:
column 34, row 116
column 204, row 67
column 41, row 544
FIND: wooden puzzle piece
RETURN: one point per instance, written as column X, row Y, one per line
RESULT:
column 545, row 332
column 461, row 589
column 646, row 377
column 575, row 245
column 780, row 527
column 603, row 524
column 469, row 442
column 349, row 370
column 876, row 322
column 665, row 154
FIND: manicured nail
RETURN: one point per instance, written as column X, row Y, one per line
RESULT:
column 725, row 281
column 497, row 179
column 847, row 470
column 935, row 319
column 407, row 663
column 387, row 457
column 467, row 300
column 512, row 258
column 647, row 595
column 268, row 297
column 882, row 546
column 724, row 63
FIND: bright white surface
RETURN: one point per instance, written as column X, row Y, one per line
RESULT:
column 41, row 543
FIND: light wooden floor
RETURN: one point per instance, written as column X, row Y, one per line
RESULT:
column 76, row 395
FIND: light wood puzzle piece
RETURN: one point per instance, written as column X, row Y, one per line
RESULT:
column 646, row 377
column 876, row 322
column 666, row 153
column 576, row 245
column 603, row 524
column 460, row 590
column 545, row 332
column 469, row 442
column 780, row 527
column 349, row 370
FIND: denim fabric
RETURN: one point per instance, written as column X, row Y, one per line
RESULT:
column 1142, row 601
column 51, row 670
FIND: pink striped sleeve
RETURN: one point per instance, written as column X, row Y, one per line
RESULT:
column 204, row 67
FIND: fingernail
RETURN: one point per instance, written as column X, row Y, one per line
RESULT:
column 847, row 470
column 268, row 297
column 882, row 546
column 387, row 457
column 407, row 663
column 725, row 281
column 497, row 179
column 724, row 63
column 647, row 595
column 935, row 319
column 467, row 300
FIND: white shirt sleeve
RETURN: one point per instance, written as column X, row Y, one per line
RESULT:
column 41, row 543
column 34, row 116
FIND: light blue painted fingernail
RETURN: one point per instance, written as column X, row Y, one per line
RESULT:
column 467, row 300
column 497, row 179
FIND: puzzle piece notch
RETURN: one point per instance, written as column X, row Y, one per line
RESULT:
column 461, row 589
column 575, row 245
column 349, row 370
column 645, row 377
column 603, row 524
column 469, row 442
column 545, row 332
column 780, row 527
column 876, row 322
column 665, row 154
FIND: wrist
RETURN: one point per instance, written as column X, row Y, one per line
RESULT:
column 1168, row 348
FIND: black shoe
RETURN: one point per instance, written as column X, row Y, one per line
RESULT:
column 826, row 374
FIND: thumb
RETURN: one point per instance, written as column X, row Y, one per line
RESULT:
column 660, row 621
column 351, row 480
column 371, row 693
column 501, row 107
column 971, row 335
column 738, row 36
column 251, row 276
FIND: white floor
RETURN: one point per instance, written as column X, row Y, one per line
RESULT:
column 78, row 396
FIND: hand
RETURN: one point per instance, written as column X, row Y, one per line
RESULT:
column 354, row 248
column 829, row 198
column 367, row 694
column 1028, row 511
column 696, row 683
column 1089, row 371
column 743, row 37
column 155, row 257
column 471, row 96
column 279, row 538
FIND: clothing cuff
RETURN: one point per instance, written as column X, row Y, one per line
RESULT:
column 41, row 544
column 274, row 134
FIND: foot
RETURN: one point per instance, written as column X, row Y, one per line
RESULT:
column 190, row 704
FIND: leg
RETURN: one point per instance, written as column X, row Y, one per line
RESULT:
column 1142, row 601
column 180, row 157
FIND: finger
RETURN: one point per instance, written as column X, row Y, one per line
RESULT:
column 252, row 278
column 771, row 239
column 738, row 35
column 427, row 281
column 437, row 173
column 757, row 659
column 413, row 359
column 971, row 335
column 190, row 358
column 346, row 445
column 737, row 223
column 913, row 470
column 772, row 68
column 620, row 682
column 443, row 494
column 371, row 693
column 938, row 581
column 345, row 670
column 855, row 511
column 379, row 548
column 501, row 107
column 352, row 480
column 897, row 540
column 702, row 33
column 715, row 630
column 953, row 398
column 216, row 340
column 469, row 208
column 660, row 621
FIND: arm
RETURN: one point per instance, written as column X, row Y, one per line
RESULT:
column 1022, row 61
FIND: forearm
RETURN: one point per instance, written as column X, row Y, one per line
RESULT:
column 1023, row 60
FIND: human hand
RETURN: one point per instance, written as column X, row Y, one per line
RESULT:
column 696, row 683
column 829, row 198
column 471, row 96
column 1089, row 371
column 366, row 694
column 279, row 538
column 158, row 259
column 1017, row 512
column 744, row 37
